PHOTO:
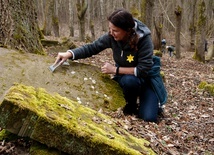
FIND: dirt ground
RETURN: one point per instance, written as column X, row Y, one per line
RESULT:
column 187, row 125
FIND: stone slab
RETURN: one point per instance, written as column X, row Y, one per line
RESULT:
column 64, row 124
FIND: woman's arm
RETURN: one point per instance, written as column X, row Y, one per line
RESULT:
column 111, row 69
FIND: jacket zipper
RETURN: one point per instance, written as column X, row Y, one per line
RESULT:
column 121, row 53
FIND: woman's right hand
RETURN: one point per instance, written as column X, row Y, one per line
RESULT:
column 62, row 57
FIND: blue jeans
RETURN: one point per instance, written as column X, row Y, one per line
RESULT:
column 132, row 88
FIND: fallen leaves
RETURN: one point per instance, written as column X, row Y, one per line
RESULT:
column 187, row 126
column 188, row 123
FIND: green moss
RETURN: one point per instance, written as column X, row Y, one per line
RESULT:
column 143, row 10
column 202, row 16
column 207, row 87
column 10, row 137
column 135, row 12
column 69, row 123
column 197, row 57
column 6, row 135
column 115, row 92
column 163, row 76
column 41, row 149
column 55, row 20
column 46, row 42
column 202, row 85
column 158, row 53
column 41, row 35
column 210, row 88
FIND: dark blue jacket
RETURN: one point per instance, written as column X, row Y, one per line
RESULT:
column 142, row 58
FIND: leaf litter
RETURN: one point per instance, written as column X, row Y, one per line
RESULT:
column 187, row 124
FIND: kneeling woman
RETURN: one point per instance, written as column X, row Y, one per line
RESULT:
column 132, row 48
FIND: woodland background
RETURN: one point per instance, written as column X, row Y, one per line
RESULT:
column 187, row 126
column 185, row 24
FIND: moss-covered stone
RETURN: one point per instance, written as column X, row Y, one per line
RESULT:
column 207, row 87
column 80, row 82
column 6, row 135
column 210, row 88
column 41, row 149
column 65, row 124
column 46, row 42
column 202, row 85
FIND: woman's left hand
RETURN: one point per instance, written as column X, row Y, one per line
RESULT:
column 108, row 68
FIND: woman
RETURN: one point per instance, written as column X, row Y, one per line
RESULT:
column 132, row 49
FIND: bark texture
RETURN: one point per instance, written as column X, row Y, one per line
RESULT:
column 82, row 6
column 178, row 14
column 200, row 36
column 18, row 26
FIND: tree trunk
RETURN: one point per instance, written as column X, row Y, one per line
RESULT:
column 40, row 11
column 47, row 27
column 71, row 18
column 102, row 14
column 149, row 14
column 210, row 53
column 192, row 25
column 158, row 24
column 200, row 37
column 55, row 18
column 178, row 14
column 124, row 3
column 143, row 11
column 81, row 10
column 91, row 20
column 19, row 27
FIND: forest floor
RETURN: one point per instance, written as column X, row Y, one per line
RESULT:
column 187, row 124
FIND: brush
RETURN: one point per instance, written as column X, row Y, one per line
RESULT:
column 53, row 67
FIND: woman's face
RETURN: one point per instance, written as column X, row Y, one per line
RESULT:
column 118, row 33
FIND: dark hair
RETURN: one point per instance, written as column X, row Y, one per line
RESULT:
column 124, row 20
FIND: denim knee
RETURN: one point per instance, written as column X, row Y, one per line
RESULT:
column 148, row 117
column 130, row 82
column 148, row 109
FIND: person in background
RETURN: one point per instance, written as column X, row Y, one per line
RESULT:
column 132, row 49
column 163, row 46
column 170, row 49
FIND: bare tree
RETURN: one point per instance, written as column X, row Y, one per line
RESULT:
column 124, row 3
column 71, row 18
column 178, row 14
column 82, row 6
column 210, row 16
column 55, row 18
column 192, row 24
column 19, row 26
column 103, row 13
column 158, row 15
column 200, row 36
column 91, row 19
column 40, row 11
column 149, row 13
column 47, row 26
column 210, row 53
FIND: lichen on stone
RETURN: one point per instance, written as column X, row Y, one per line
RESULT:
column 65, row 124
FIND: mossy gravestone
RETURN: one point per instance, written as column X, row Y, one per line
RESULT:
column 65, row 124
column 83, row 83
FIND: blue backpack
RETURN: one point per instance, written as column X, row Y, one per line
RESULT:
column 157, row 81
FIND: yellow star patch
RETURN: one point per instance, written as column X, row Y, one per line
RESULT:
column 130, row 58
